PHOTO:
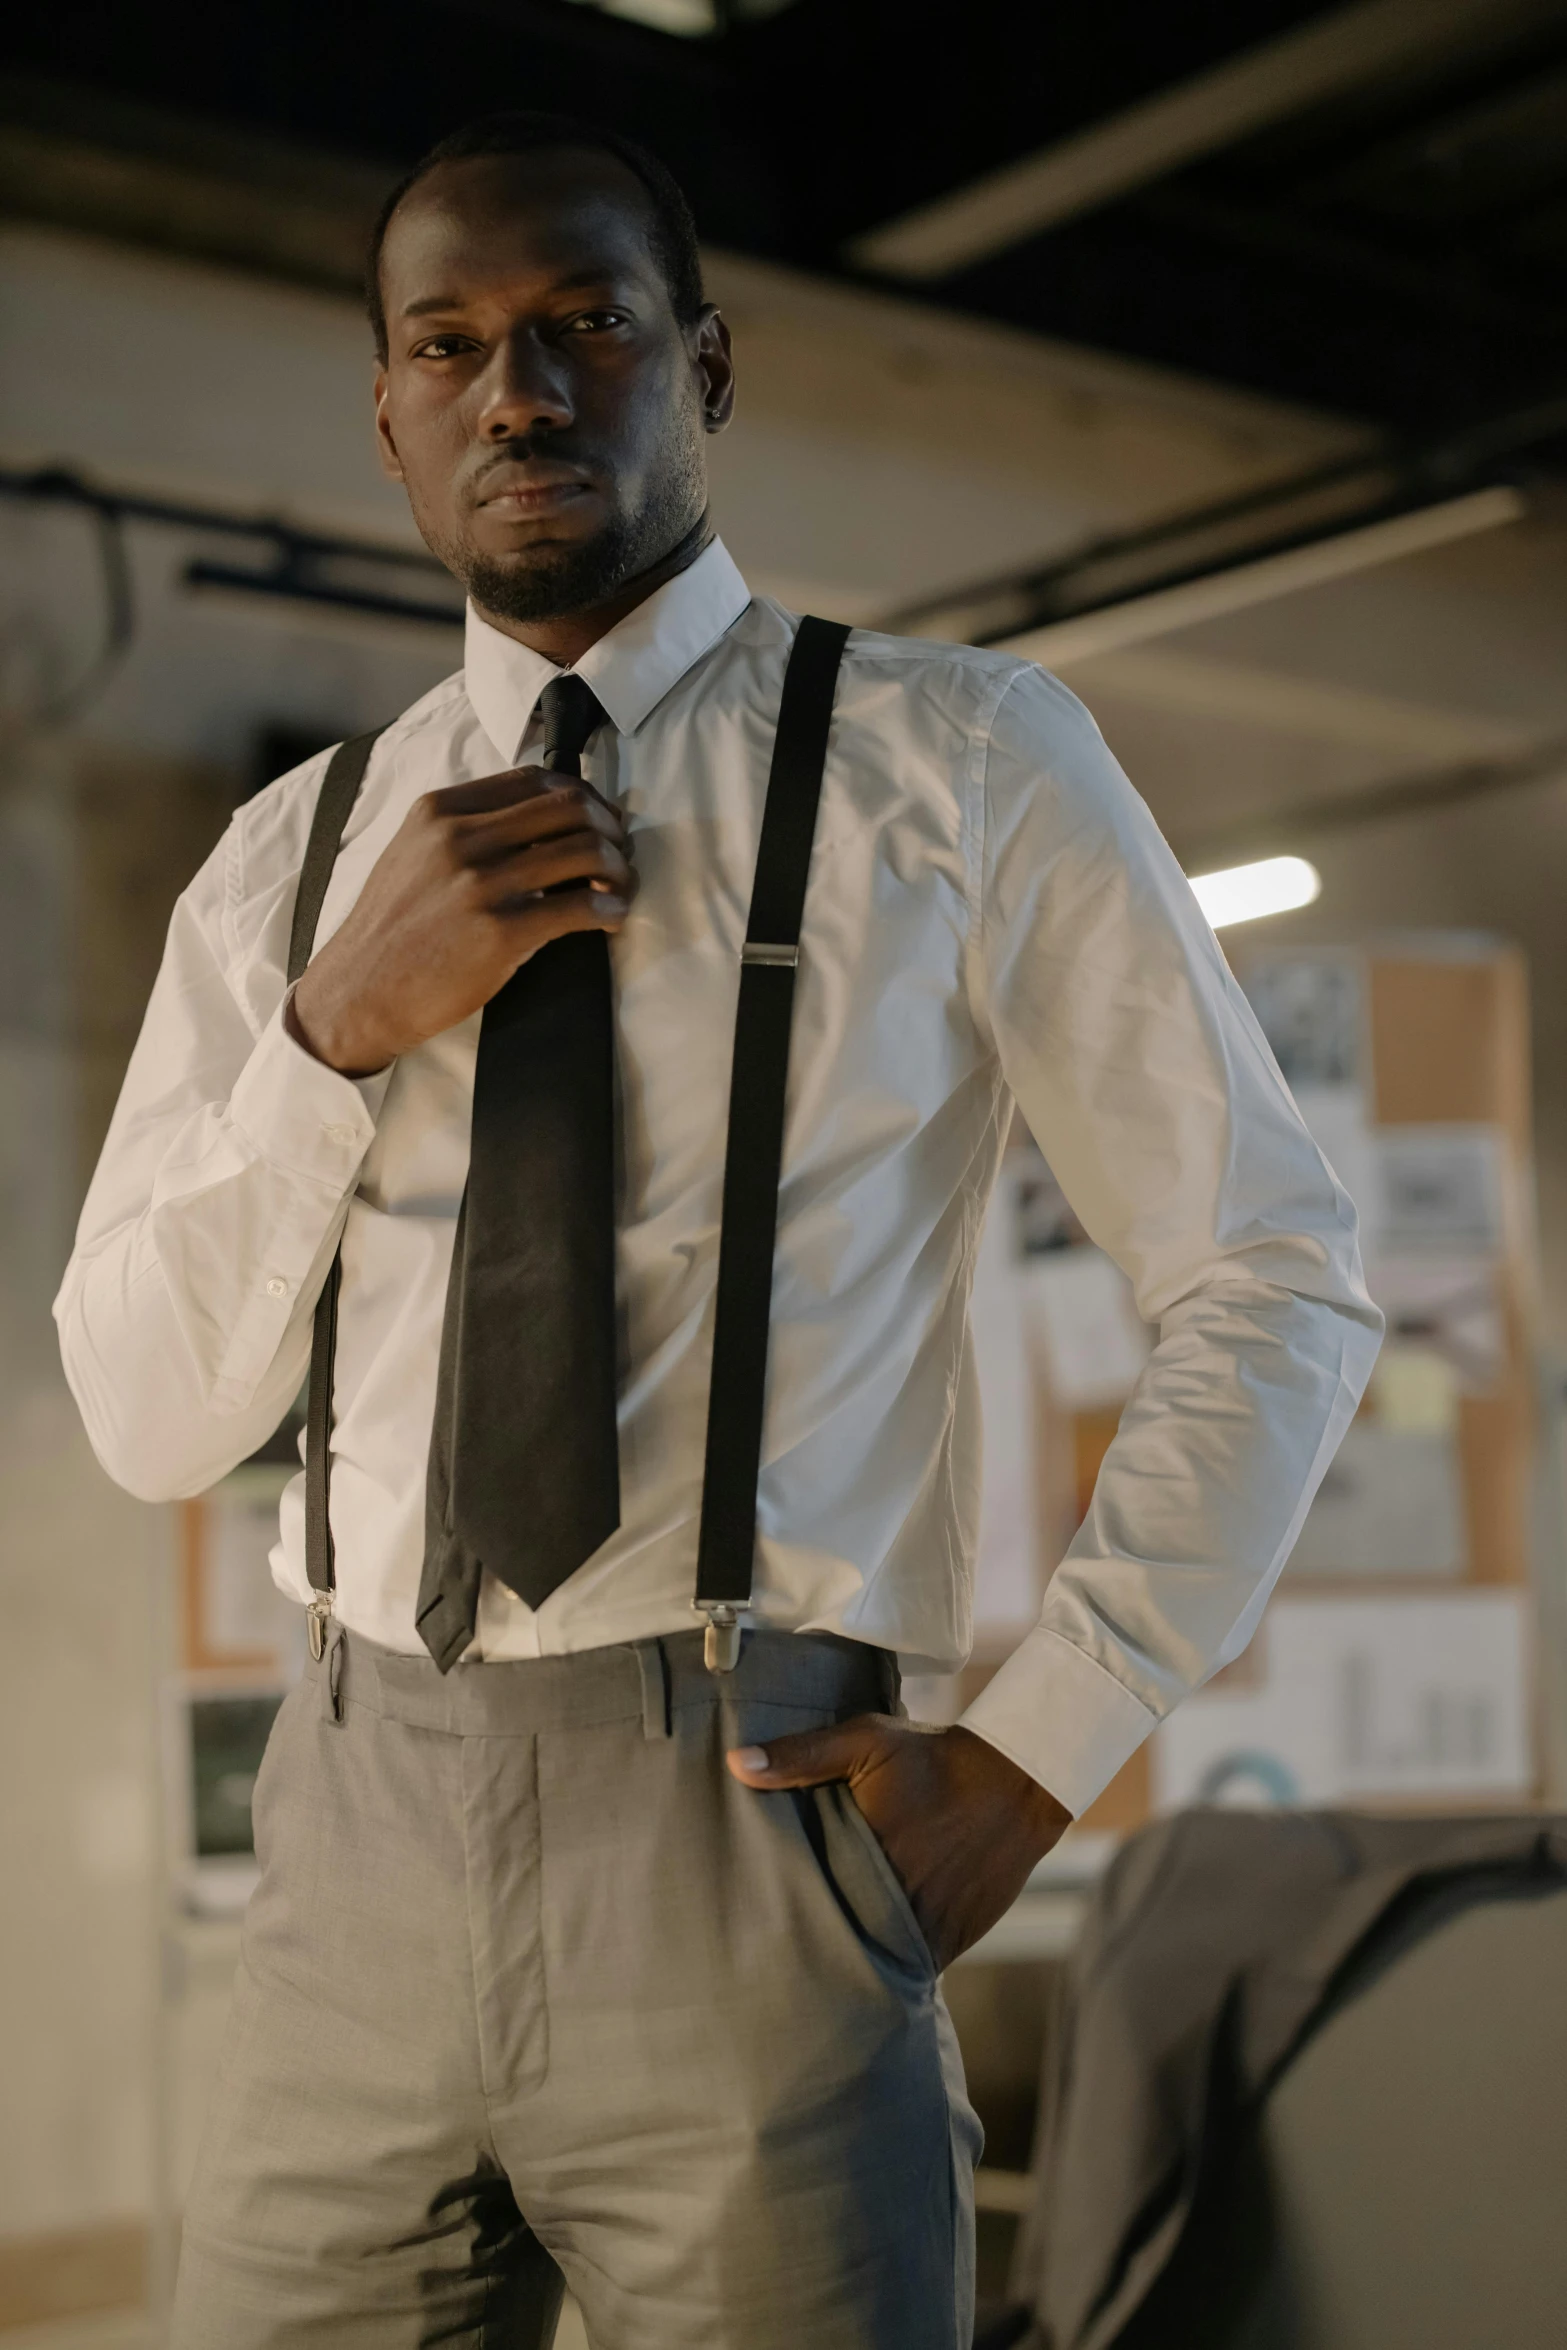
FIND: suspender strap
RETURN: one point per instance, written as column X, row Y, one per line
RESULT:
column 754, row 1151
column 753, row 1154
column 339, row 790
column 334, row 805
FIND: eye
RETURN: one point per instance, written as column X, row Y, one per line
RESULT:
column 442, row 347
column 594, row 322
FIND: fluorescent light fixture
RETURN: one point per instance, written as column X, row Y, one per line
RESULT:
column 693, row 19
column 665, row 16
column 1245, row 893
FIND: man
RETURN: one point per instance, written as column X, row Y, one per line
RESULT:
column 571, row 1953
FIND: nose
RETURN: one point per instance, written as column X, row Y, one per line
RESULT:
column 525, row 388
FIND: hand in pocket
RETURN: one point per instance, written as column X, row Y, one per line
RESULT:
column 961, row 1824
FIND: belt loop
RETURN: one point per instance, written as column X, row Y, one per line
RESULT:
column 332, row 1664
column 657, row 1696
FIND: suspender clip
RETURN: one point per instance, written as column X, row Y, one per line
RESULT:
column 318, row 1615
column 770, row 957
column 721, row 1642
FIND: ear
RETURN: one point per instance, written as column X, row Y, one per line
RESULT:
column 386, row 447
column 713, row 354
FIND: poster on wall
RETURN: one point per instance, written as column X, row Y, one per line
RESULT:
column 1387, row 1699
column 1441, row 1190
column 233, row 1617
column 1391, row 1503
column 1450, row 1305
column 1311, row 1009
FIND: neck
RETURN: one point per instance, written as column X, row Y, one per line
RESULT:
column 566, row 638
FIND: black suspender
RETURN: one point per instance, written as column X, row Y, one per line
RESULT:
column 753, row 1150
column 753, row 1153
column 339, row 790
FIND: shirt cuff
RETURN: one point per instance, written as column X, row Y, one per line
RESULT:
column 1060, row 1717
column 302, row 1115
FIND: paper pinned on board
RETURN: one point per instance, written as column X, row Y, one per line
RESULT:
column 1367, row 1698
column 1451, row 1305
column 1415, row 1391
column 1441, row 1190
column 1391, row 1503
column 1311, row 1010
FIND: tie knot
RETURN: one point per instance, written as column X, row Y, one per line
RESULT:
column 570, row 710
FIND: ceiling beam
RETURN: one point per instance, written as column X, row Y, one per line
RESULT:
column 1318, row 61
column 110, row 166
column 1238, row 586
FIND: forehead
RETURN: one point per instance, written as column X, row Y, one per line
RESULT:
column 490, row 221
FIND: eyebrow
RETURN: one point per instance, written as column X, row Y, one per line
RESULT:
column 580, row 280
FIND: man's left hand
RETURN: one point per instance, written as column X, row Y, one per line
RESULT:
column 961, row 1824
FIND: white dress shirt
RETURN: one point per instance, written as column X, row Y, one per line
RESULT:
column 992, row 913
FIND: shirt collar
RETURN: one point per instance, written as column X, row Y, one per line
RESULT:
column 631, row 669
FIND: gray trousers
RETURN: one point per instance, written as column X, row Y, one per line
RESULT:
column 532, row 1988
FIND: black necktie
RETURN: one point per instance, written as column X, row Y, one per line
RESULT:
column 524, row 1465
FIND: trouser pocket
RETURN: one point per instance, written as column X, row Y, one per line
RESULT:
column 862, row 1879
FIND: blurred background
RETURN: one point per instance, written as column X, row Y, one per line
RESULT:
column 1214, row 355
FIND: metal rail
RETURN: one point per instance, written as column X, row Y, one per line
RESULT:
column 301, row 561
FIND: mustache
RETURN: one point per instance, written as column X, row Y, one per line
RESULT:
column 558, row 447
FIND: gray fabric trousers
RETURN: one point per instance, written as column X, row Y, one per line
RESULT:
column 531, row 1986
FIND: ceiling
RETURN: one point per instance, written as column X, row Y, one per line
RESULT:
column 1362, row 208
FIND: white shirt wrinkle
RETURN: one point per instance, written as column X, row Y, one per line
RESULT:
column 991, row 915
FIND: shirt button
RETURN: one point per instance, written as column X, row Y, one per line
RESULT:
column 342, row 1134
column 277, row 1286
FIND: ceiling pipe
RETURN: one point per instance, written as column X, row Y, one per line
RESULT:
column 299, row 563
column 1283, row 569
column 1367, row 507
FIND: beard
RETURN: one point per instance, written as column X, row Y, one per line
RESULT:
column 550, row 583
column 554, row 582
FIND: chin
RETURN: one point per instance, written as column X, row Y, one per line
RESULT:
column 552, row 579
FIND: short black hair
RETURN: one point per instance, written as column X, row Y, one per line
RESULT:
column 525, row 132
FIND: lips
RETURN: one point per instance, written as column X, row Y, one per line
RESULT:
column 533, row 489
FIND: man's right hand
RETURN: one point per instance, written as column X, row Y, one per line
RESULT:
column 454, row 906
